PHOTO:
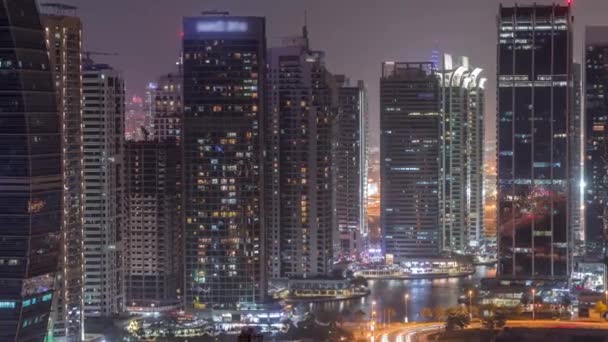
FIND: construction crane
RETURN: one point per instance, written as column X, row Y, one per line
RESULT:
column 87, row 55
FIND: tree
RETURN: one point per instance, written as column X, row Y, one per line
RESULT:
column 439, row 313
column 601, row 307
column 308, row 322
column 427, row 313
column 457, row 318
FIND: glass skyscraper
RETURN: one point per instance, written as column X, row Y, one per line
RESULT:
column 30, row 175
column 596, row 129
column 410, row 150
column 222, row 139
column 534, row 110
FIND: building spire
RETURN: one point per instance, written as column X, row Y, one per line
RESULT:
column 305, row 28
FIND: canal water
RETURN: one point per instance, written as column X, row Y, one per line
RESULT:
column 391, row 294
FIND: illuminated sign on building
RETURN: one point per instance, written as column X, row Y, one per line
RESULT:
column 221, row 26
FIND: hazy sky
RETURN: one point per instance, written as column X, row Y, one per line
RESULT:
column 357, row 35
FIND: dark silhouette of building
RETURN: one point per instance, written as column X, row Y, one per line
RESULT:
column 30, row 175
column 534, row 112
column 409, row 155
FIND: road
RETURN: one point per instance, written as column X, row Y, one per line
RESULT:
column 406, row 332
column 540, row 324
column 417, row 332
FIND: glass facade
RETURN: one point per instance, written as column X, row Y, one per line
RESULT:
column 534, row 110
column 222, row 137
column 30, row 175
column 410, row 151
column 596, row 128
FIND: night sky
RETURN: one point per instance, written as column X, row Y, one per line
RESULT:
column 357, row 35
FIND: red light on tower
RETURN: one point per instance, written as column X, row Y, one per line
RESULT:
column 569, row 2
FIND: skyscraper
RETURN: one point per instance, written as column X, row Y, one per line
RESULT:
column 30, row 175
column 299, row 147
column 409, row 154
column 596, row 130
column 167, row 107
column 576, row 167
column 462, row 146
column 534, row 111
column 222, row 141
column 152, row 235
column 64, row 38
column 350, row 164
column 104, row 212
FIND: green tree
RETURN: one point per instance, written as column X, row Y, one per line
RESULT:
column 427, row 313
column 457, row 319
column 439, row 313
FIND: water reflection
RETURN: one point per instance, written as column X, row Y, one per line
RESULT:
column 391, row 294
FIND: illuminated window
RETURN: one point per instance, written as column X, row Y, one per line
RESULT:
column 7, row 305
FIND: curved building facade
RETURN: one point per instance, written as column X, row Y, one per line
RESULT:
column 30, row 175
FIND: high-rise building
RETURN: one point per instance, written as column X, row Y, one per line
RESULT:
column 462, row 147
column 222, row 140
column 104, row 212
column 409, row 153
column 350, row 165
column 596, row 129
column 534, row 111
column 167, row 107
column 299, row 191
column 151, row 238
column 64, row 38
column 576, row 164
column 30, row 175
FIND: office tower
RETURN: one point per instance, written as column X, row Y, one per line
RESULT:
column 151, row 237
column 64, row 38
column 222, row 141
column 30, row 175
column 409, row 154
column 576, row 169
column 461, row 162
column 104, row 140
column 299, row 183
column 596, row 128
column 534, row 111
column 350, row 165
column 166, row 107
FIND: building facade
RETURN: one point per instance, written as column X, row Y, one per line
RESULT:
column 222, row 141
column 534, row 112
column 350, row 165
column 30, row 176
column 462, row 129
column 104, row 209
column 409, row 154
column 64, row 38
column 167, row 107
column 299, row 146
column 151, row 238
column 596, row 129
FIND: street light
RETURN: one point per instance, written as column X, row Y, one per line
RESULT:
column 533, row 295
column 470, row 304
column 407, row 296
column 606, row 297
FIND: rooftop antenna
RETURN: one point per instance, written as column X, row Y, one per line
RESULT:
column 305, row 28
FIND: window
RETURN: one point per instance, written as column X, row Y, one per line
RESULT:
column 7, row 305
